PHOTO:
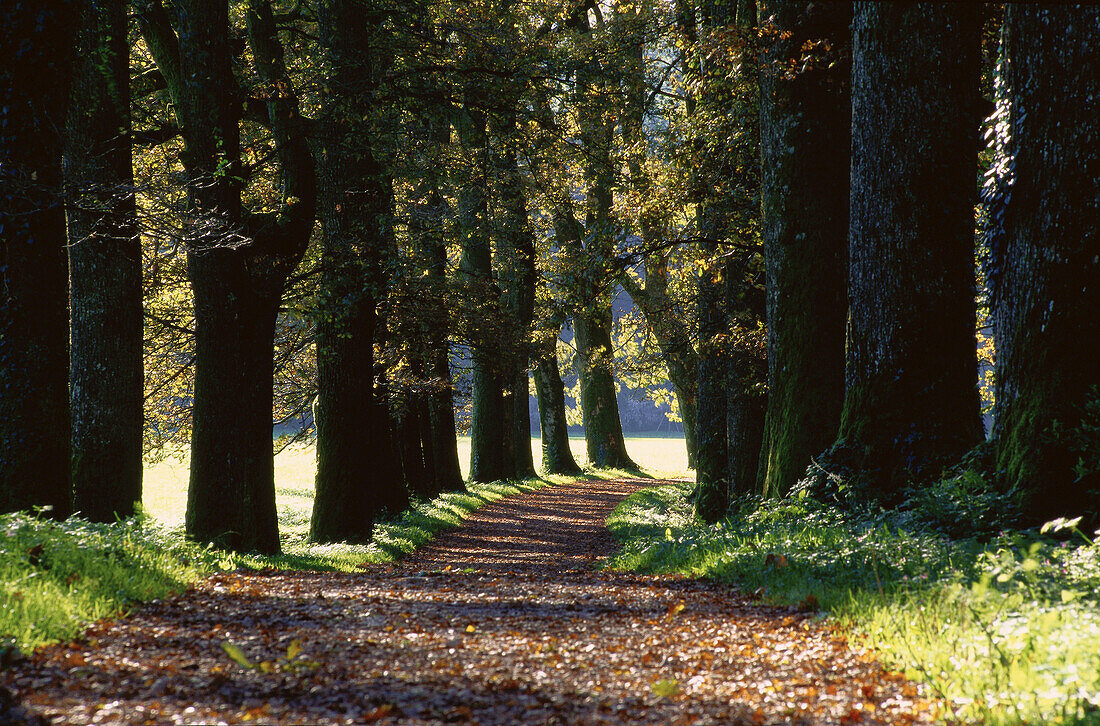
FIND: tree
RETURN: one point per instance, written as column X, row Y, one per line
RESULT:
column 104, row 271
column 805, row 123
column 651, row 293
column 724, row 180
column 238, row 261
column 911, row 404
column 591, row 247
column 491, row 453
column 36, row 44
column 1044, row 259
column 356, row 209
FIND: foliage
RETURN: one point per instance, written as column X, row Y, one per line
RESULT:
column 1003, row 630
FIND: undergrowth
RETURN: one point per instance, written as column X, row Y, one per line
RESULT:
column 1003, row 628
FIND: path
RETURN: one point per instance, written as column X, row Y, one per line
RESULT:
column 502, row 621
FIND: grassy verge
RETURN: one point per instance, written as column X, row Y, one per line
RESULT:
column 56, row 577
column 1005, row 630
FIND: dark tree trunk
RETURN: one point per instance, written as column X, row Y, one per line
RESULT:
column 490, row 455
column 104, row 272
column 426, row 225
column 712, row 464
column 745, row 411
column 516, row 249
column 238, row 263
column 557, row 457
column 411, row 411
column 805, row 122
column 911, row 402
column 36, row 40
column 231, row 497
column 1045, row 253
column 359, row 474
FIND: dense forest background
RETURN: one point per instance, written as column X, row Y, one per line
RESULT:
column 809, row 231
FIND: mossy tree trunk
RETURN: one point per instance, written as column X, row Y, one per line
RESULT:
column 36, row 42
column 490, row 431
column 591, row 248
column 516, row 250
column 557, row 457
column 805, row 129
column 1046, row 259
column 428, row 213
column 359, row 475
column 238, row 262
column 104, row 272
column 911, row 404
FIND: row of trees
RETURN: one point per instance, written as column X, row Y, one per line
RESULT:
column 366, row 188
column 870, row 120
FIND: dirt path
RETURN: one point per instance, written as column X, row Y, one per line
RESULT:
column 500, row 622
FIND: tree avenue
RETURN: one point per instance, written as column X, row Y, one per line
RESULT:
column 380, row 226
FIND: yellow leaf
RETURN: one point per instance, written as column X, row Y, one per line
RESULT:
column 470, row 628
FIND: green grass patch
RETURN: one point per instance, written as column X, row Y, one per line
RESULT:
column 1004, row 630
column 56, row 577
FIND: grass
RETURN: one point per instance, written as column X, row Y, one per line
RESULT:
column 57, row 577
column 1003, row 630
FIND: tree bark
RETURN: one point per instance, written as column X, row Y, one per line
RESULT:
column 712, row 463
column 491, row 432
column 557, row 457
column 805, row 122
column 1045, row 256
column 426, row 225
column 911, row 403
column 104, row 272
column 36, row 41
column 356, row 209
column 516, row 249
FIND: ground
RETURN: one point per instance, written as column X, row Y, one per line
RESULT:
column 503, row 621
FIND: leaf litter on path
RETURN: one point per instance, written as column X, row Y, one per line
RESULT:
column 502, row 621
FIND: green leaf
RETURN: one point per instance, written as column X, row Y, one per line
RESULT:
column 293, row 650
column 237, row 655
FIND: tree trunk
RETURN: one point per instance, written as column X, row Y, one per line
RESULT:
column 34, row 324
column 359, row 474
column 231, row 497
column 805, row 122
column 591, row 248
column 557, row 457
column 1045, row 253
column 911, row 402
column 516, row 250
column 712, row 464
column 490, row 457
column 104, row 272
column 426, row 225
column 653, row 299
